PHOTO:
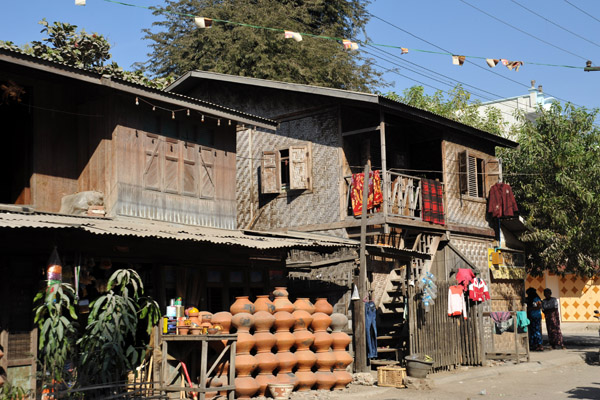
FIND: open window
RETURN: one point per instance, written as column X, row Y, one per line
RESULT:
column 477, row 175
column 286, row 169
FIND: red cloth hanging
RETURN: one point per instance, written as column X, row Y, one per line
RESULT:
column 433, row 201
column 502, row 202
column 375, row 198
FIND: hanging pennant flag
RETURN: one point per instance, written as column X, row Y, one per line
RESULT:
column 203, row 22
column 293, row 35
column 80, row 2
column 349, row 45
column 514, row 64
column 504, row 61
column 458, row 60
column 492, row 62
column 403, row 50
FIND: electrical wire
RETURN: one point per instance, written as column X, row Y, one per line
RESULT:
column 522, row 31
column 555, row 24
column 583, row 11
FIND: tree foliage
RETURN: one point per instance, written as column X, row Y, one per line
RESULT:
column 555, row 174
column 64, row 44
column 55, row 317
column 454, row 106
column 111, row 344
column 179, row 46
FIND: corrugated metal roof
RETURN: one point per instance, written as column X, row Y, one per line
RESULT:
column 18, row 56
column 164, row 230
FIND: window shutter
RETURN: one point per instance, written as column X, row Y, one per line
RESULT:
column 493, row 170
column 171, row 166
column 269, row 173
column 152, row 157
column 190, row 171
column 300, row 176
column 472, row 175
column 207, row 173
column 463, row 172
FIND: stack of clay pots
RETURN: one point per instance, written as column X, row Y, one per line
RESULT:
column 316, row 352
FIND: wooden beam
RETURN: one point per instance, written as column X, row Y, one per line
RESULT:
column 384, row 178
column 364, row 130
column 318, row 264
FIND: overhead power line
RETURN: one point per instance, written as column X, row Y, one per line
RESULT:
column 555, row 24
column 583, row 11
column 522, row 31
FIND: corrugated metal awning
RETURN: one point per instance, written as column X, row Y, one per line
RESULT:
column 164, row 230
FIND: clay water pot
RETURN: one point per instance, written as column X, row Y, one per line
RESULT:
column 322, row 305
column 264, row 380
column 242, row 322
column 281, row 301
column 245, row 387
column 283, row 321
column 342, row 377
column 302, row 319
column 305, row 361
column 223, row 319
column 242, row 305
column 320, row 322
column 303, row 339
column 263, row 321
column 303, row 303
column 325, row 378
column 183, row 330
column 263, row 303
column 195, row 331
column 267, row 362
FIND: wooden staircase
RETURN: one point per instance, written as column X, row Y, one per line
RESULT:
column 392, row 331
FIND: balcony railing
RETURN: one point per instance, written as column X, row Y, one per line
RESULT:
column 403, row 195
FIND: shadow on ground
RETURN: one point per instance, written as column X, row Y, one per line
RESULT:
column 585, row 392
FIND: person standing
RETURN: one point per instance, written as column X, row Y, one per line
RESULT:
column 534, row 306
column 550, row 309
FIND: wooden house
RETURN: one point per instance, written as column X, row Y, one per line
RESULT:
column 300, row 178
column 116, row 174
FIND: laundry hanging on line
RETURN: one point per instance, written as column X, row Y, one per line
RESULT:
column 502, row 202
column 375, row 198
column 433, row 201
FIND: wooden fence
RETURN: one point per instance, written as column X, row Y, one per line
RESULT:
column 450, row 341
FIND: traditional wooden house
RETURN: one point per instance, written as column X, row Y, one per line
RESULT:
column 116, row 174
column 429, row 213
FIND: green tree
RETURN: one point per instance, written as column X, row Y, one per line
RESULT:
column 179, row 46
column 555, row 175
column 64, row 44
column 455, row 106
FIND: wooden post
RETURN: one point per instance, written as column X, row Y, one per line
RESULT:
column 386, row 183
column 359, row 307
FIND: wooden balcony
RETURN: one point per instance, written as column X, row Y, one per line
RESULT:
column 401, row 198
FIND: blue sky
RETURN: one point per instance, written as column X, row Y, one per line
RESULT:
column 426, row 25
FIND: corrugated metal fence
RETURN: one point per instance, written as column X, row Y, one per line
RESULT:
column 450, row 341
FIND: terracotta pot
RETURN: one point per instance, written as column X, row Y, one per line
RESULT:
column 242, row 322
column 287, row 378
column 264, row 380
column 283, row 321
column 303, row 339
column 303, row 303
column 212, row 331
column 280, row 391
column 263, row 321
column 302, row 319
column 282, row 303
column 306, row 380
column 267, row 362
column 245, row 342
column 338, row 322
column 280, row 291
column 342, row 379
column 245, row 364
column 320, row 322
column 263, row 303
column 323, row 341
column 287, row 361
column 245, row 387
column 223, row 319
column 242, row 305
column 264, row 341
column 342, row 360
column 195, row 331
column 183, row 330
column 325, row 380
column 322, row 305
column 195, row 321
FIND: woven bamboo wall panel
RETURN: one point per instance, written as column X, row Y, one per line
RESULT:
column 296, row 208
column 461, row 209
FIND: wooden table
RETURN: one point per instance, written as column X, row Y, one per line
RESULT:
column 164, row 342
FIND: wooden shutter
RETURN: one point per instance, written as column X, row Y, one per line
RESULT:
column 190, row 170
column 472, row 175
column 463, row 171
column 300, row 176
column 172, row 156
column 152, row 156
column 207, row 173
column 493, row 169
column 269, row 173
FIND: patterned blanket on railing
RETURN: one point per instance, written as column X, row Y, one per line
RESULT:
column 375, row 195
column 433, row 201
